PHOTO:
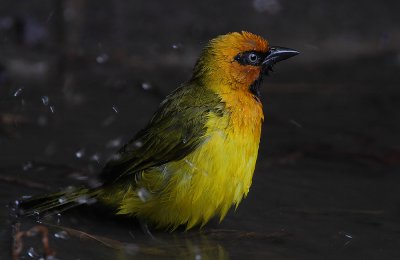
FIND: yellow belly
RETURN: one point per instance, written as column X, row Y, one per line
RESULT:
column 205, row 183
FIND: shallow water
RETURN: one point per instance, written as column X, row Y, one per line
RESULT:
column 327, row 177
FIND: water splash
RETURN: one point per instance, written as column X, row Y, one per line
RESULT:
column 62, row 235
column 146, row 86
column 17, row 92
column 102, row 58
column 85, row 200
column 32, row 253
column 58, row 218
column 79, row 154
column 115, row 108
column 62, row 200
column 347, row 236
column 45, row 100
column 36, row 214
column 27, row 166
column 176, row 46
column 143, row 194
column 95, row 157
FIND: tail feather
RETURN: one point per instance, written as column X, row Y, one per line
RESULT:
column 56, row 202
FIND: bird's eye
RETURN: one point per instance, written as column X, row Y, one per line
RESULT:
column 250, row 58
column 253, row 58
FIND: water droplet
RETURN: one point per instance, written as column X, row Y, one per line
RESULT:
column 36, row 214
column 82, row 199
column 176, row 46
column 15, row 211
column 198, row 257
column 102, row 58
column 115, row 108
column 58, row 218
column 146, row 86
column 27, row 166
column 52, row 109
column 138, row 144
column 45, row 100
column 348, row 238
column 345, row 234
column 62, row 200
column 32, row 253
column 17, row 92
column 143, row 194
column 61, row 235
column 79, row 154
column 295, row 123
column 113, row 143
column 95, row 157
column 86, row 200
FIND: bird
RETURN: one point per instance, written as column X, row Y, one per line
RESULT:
column 196, row 157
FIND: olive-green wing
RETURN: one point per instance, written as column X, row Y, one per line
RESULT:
column 176, row 129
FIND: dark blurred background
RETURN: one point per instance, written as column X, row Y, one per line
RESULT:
column 78, row 79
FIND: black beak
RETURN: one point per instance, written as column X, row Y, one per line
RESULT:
column 277, row 54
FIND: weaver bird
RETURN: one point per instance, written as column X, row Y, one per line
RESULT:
column 196, row 157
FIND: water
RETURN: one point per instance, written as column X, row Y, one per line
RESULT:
column 45, row 100
column 326, row 180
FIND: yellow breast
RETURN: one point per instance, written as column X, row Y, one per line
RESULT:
column 212, row 178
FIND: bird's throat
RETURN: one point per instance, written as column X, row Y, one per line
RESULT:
column 255, row 88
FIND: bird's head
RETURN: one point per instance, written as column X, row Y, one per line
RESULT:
column 238, row 61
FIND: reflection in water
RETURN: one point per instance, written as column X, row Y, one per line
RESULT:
column 43, row 240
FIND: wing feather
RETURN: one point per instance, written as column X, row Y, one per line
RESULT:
column 176, row 129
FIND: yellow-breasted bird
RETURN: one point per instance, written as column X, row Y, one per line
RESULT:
column 196, row 157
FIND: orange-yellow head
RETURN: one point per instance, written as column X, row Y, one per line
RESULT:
column 238, row 60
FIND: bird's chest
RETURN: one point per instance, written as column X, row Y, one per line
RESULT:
column 233, row 144
column 221, row 169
